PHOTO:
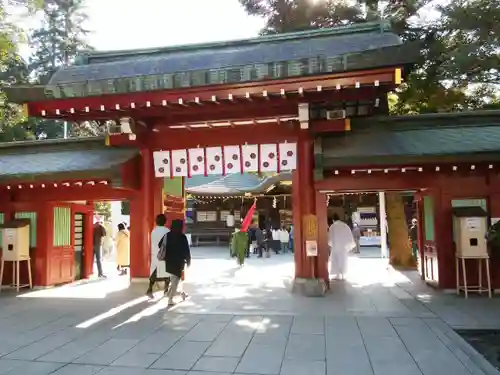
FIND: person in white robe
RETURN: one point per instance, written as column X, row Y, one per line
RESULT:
column 157, row 268
column 341, row 242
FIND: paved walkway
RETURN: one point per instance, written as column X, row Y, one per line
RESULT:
column 244, row 321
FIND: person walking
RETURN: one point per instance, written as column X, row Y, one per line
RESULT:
column 99, row 234
column 341, row 241
column 177, row 257
column 414, row 237
column 259, row 240
column 284, row 239
column 122, row 249
column 291, row 238
column 159, row 231
column 239, row 246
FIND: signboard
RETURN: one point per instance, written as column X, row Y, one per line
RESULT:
column 310, row 223
column 312, row 248
column 473, row 224
column 10, row 234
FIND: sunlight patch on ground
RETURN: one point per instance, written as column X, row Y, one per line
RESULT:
column 248, row 324
column 365, row 272
column 112, row 312
column 161, row 304
column 266, row 326
column 91, row 289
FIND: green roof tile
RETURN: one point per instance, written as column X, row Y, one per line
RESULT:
column 419, row 137
column 30, row 160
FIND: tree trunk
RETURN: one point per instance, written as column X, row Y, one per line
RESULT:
column 399, row 244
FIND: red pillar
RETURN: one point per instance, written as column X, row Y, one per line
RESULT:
column 144, row 206
column 88, row 241
column 41, row 262
column 303, row 203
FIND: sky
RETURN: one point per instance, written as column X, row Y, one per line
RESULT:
column 131, row 24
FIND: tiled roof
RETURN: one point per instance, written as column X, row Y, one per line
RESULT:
column 312, row 52
column 233, row 184
column 420, row 136
column 255, row 51
column 30, row 160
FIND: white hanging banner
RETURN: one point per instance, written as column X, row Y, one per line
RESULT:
column 162, row 163
column 288, row 156
column 269, row 158
column 232, row 159
column 196, row 161
column 250, row 155
column 223, row 160
column 179, row 163
column 214, row 160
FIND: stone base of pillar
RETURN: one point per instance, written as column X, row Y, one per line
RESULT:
column 309, row 287
column 139, row 280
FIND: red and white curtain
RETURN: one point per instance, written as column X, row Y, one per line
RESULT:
column 223, row 160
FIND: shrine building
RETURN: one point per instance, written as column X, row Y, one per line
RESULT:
column 312, row 104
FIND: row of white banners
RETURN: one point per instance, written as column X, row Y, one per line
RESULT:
column 224, row 160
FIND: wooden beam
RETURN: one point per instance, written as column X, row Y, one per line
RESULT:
column 330, row 126
column 377, row 182
column 85, row 193
column 172, row 139
column 63, row 108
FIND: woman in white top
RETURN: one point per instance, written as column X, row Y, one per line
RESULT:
column 157, row 268
column 284, row 239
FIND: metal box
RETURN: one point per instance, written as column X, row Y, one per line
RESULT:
column 470, row 227
column 15, row 240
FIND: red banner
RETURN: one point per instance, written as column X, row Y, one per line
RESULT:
column 248, row 218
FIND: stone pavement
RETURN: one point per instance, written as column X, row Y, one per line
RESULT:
column 244, row 321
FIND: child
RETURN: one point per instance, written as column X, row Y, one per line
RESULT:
column 284, row 239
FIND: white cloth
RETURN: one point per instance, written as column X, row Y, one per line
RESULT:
column 341, row 241
column 284, row 236
column 230, row 221
column 276, row 234
column 156, row 236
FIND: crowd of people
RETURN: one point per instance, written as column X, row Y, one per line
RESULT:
column 263, row 242
column 170, row 253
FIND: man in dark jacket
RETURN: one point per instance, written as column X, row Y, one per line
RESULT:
column 414, row 237
column 177, row 256
column 99, row 234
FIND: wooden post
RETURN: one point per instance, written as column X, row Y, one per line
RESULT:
column 323, row 250
column 303, row 203
column 142, row 214
column 384, row 251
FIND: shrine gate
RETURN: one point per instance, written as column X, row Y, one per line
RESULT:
column 257, row 105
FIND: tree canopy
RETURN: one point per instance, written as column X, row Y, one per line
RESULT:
column 59, row 39
column 458, row 68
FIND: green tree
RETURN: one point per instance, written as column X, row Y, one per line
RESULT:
column 459, row 63
column 56, row 43
column 60, row 38
column 298, row 15
column 103, row 209
column 13, row 70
